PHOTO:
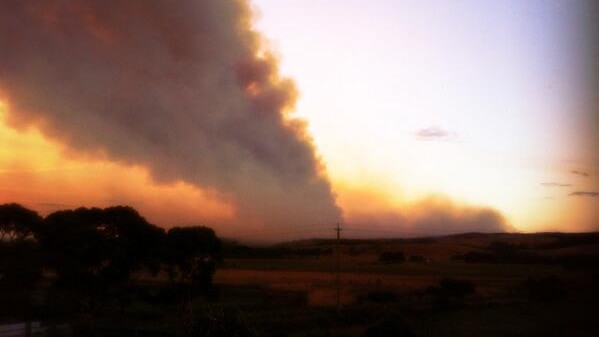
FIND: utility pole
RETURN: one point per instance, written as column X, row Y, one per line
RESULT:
column 338, row 251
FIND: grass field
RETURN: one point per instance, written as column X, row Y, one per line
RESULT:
column 503, row 302
column 522, row 285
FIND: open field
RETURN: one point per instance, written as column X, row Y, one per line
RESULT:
column 503, row 303
column 465, row 285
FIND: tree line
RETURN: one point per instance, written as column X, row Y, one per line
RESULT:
column 99, row 251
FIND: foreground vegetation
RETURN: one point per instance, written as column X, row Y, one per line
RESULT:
column 120, row 276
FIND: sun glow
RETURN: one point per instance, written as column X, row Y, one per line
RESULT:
column 468, row 111
column 472, row 101
column 38, row 173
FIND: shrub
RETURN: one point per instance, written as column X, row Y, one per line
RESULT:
column 20, row 264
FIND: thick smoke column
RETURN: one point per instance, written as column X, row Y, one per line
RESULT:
column 179, row 87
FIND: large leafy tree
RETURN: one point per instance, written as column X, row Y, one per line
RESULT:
column 190, row 257
column 100, row 245
column 191, row 254
column 20, row 264
column 17, row 222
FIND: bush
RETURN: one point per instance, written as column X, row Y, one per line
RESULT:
column 20, row 264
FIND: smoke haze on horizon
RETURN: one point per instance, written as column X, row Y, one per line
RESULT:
column 187, row 92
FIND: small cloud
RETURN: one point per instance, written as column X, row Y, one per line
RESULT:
column 435, row 133
column 584, row 194
column 555, row 184
column 580, row 173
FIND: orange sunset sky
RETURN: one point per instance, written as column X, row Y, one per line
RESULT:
column 391, row 117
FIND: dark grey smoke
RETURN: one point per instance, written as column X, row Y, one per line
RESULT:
column 176, row 86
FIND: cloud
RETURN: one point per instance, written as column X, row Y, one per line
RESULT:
column 440, row 215
column 555, row 184
column 183, row 89
column 584, row 194
column 435, row 133
column 367, row 214
column 580, row 173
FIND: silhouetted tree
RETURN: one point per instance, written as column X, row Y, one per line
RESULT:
column 191, row 255
column 100, row 245
column 190, row 258
column 20, row 265
column 17, row 222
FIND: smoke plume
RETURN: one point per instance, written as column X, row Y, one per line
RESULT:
column 432, row 215
column 182, row 88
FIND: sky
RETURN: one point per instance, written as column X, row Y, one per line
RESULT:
column 284, row 117
column 486, row 102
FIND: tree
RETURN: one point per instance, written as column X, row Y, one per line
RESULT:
column 100, row 245
column 191, row 255
column 190, row 258
column 20, row 263
column 17, row 222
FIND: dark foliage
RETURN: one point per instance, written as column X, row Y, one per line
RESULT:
column 99, row 246
column 17, row 222
column 190, row 257
column 20, row 265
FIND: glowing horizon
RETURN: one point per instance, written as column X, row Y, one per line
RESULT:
column 483, row 102
column 424, row 113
